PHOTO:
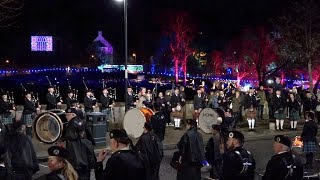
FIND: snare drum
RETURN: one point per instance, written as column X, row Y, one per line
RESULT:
column 48, row 126
column 208, row 117
column 297, row 145
column 134, row 120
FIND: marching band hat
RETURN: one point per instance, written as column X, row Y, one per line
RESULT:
column 27, row 92
column 192, row 122
column 148, row 126
column 58, row 151
column 88, row 90
column 285, row 140
column 105, row 88
column 129, row 87
column 50, row 86
column 70, row 91
column 236, row 135
column 71, row 110
column 118, row 133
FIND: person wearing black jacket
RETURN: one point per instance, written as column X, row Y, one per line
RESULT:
column 250, row 105
column 283, row 165
column 106, row 103
column 150, row 145
column 89, row 102
column 279, row 105
column 5, row 110
column 81, row 154
column 309, row 136
column 51, row 99
column 29, row 111
column 158, row 122
column 131, row 101
column 198, row 103
column 309, row 103
column 238, row 163
column 294, row 106
column 191, row 148
column 23, row 159
column 70, row 99
column 175, row 102
column 124, row 163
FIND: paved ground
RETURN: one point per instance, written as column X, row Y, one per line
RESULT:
column 258, row 142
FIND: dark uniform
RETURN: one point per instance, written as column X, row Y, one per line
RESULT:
column 5, row 113
column 88, row 103
column 199, row 101
column 51, row 100
column 28, row 113
column 175, row 100
column 238, row 163
column 123, row 164
column 158, row 122
column 283, row 165
column 191, row 148
column 69, row 102
column 150, row 145
column 130, row 101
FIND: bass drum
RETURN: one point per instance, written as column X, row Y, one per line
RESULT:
column 48, row 126
column 208, row 117
column 134, row 120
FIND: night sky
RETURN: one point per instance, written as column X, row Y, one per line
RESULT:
column 77, row 23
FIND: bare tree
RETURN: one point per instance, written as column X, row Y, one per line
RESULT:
column 10, row 10
column 299, row 30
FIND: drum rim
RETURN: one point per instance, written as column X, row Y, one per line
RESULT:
column 145, row 120
column 200, row 121
column 50, row 113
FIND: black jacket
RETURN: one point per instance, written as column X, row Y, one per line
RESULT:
column 51, row 101
column 175, row 100
column 158, row 122
column 88, row 103
column 123, row 165
column 279, row 103
column 29, row 107
column 130, row 101
column 198, row 102
column 277, row 168
column 310, row 130
column 309, row 104
column 293, row 105
column 105, row 102
column 4, row 107
column 250, row 101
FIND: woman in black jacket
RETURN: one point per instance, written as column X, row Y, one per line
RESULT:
column 294, row 106
column 310, row 130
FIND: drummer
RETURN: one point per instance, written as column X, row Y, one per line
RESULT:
column 283, row 165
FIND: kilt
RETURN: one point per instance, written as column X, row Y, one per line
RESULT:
column 294, row 115
column 280, row 115
column 177, row 114
column 27, row 119
column 309, row 146
column 251, row 113
column 6, row 119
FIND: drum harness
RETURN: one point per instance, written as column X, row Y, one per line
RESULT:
column 246, row 162
column 290, row 167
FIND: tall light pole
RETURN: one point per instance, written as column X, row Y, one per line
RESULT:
column 125, row 7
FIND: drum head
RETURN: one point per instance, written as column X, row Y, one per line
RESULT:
column 133, row 122
column 48, row 127
column 147, row 113
column 207, row 118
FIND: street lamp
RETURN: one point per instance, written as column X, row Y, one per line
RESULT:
column 125, row 10
column 135, row 57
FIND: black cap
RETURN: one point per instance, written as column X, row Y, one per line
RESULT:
column 192, row 122
column 50, row 86
column 129, row 87
column 71, row 110
column 58, row 151
column 88, row 90
column 27, row 92
column 148, row 126
column 118, row 133
column 236, row 135
column 70, row 91
column 285, row 140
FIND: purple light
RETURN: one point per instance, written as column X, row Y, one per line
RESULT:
column 41, row 43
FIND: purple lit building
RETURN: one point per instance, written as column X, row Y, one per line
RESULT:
column 103, row 49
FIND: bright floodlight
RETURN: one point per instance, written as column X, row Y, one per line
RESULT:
column 119, row 0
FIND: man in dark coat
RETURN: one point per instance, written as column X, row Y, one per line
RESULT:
column 23, row 159
column 150, row 145
column 89, row 102
column 51, row 99
column 250, row 105
column 28, row 113
column 198, row 103
column 279, row 106
column 70, row 99
column 238, row 163
column 131, row 101
column 158, row 122
column 191, row 148
column 5, row 110
column 283, row 165
column 124, row 163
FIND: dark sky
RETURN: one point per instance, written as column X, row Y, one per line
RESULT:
column 78, row 22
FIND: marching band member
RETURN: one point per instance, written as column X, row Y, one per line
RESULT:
column 5, row 110
column 51, row 99
column 106, row 103
column 279, row 107
column 250, row 103
column 167, row 99
column 89, row 102
column 131, row 100
column 70, row 99
column 198, row 104
column 148, row 102
column 175, row 102
column 29, row 111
